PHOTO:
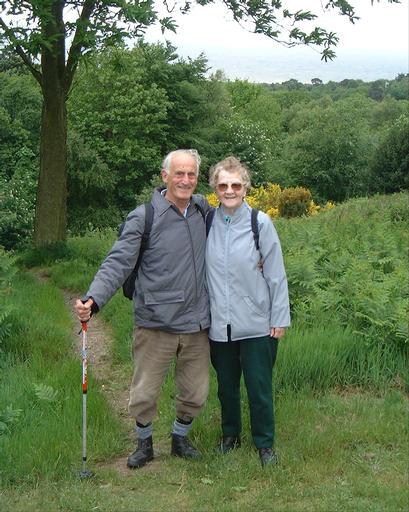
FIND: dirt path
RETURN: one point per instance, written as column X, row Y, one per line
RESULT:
column 114, row 383
column 99, row 350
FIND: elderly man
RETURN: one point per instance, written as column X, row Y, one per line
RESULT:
column 170, row 303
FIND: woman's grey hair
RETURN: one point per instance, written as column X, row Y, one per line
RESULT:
column 230, row 164
column 191, row 152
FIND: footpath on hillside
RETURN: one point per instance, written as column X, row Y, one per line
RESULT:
column 113, row 381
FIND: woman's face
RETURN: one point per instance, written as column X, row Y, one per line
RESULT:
column 230, row 190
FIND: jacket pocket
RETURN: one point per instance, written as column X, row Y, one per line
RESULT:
column 255, row 308
column 164, row 297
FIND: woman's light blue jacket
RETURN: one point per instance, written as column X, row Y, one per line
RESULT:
column 249, row 299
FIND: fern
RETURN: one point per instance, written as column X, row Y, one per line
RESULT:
column 351, row 262
column 5, row 325
column 8, row 417
column 45, row 393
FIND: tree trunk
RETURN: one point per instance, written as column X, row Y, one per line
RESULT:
column 51, row 206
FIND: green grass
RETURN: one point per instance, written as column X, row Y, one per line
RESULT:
column 338, row 453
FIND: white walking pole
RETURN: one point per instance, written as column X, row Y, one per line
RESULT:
column 84, row 473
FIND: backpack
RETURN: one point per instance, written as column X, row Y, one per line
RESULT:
column 128, row 288
column 254, row 225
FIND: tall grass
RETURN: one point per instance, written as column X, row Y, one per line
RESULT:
column 41, row 381
column 327, row 355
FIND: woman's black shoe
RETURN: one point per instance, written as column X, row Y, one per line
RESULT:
column 229, row 443
column 268, row 457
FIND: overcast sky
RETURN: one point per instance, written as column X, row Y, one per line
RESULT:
column 381, row 35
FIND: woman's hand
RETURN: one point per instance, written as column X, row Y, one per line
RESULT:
column 277, row 332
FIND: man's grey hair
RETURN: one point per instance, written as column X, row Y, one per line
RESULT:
column 191, row 152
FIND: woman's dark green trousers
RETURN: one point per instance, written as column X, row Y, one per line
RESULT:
column 255, row 358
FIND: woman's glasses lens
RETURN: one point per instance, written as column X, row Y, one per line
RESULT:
column 236, row 187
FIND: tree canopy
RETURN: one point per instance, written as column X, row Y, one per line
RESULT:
column 52, row 36
column 125, row 112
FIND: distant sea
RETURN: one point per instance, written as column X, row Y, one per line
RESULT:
column 277, row 65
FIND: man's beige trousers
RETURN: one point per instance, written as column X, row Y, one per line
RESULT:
column 153, row 352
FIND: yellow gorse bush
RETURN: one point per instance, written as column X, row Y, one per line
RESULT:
column 313, row 208
column 272, row 199
column 212, row 199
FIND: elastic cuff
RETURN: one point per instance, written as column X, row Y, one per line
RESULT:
column 184, row 422
column 94, row 307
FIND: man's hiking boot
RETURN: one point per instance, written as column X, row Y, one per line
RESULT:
column 229, row 443
column 268, row 457
column 181, row 447
column 142, row 454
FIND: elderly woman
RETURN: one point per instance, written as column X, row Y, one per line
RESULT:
column 249, row 307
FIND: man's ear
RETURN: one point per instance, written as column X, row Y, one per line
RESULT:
column 164, row 175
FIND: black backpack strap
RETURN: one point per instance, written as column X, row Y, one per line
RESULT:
column 199, row 208
column 146, row 232
column 254, row 227
column 128, row 286
column 209, row 220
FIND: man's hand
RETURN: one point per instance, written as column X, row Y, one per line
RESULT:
column 83, row 310
column 277, row 332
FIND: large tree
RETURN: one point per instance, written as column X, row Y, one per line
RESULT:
column 51, row 36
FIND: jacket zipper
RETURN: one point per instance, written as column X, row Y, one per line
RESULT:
column 191, row 244
column 226, row 269
column 193, row 254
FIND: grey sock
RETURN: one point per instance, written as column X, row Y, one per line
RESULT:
column 181, row 429
column 144, row 432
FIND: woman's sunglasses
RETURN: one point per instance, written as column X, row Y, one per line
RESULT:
column 236, row 187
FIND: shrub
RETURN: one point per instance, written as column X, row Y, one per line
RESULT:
column 390, row 162
column 17, row 201
column 7, row 272
column 212, row 199
column 265, row 198
column 294, row 202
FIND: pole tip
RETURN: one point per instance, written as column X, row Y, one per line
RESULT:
column 86, row 473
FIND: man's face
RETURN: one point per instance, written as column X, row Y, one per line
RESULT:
column 181, row 180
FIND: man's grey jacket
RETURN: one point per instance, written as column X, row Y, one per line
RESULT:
column 170, row 291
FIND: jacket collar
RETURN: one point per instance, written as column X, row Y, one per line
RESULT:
column 237, row 215
column 161, row 204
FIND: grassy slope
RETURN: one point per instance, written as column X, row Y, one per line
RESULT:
column 340, row 450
